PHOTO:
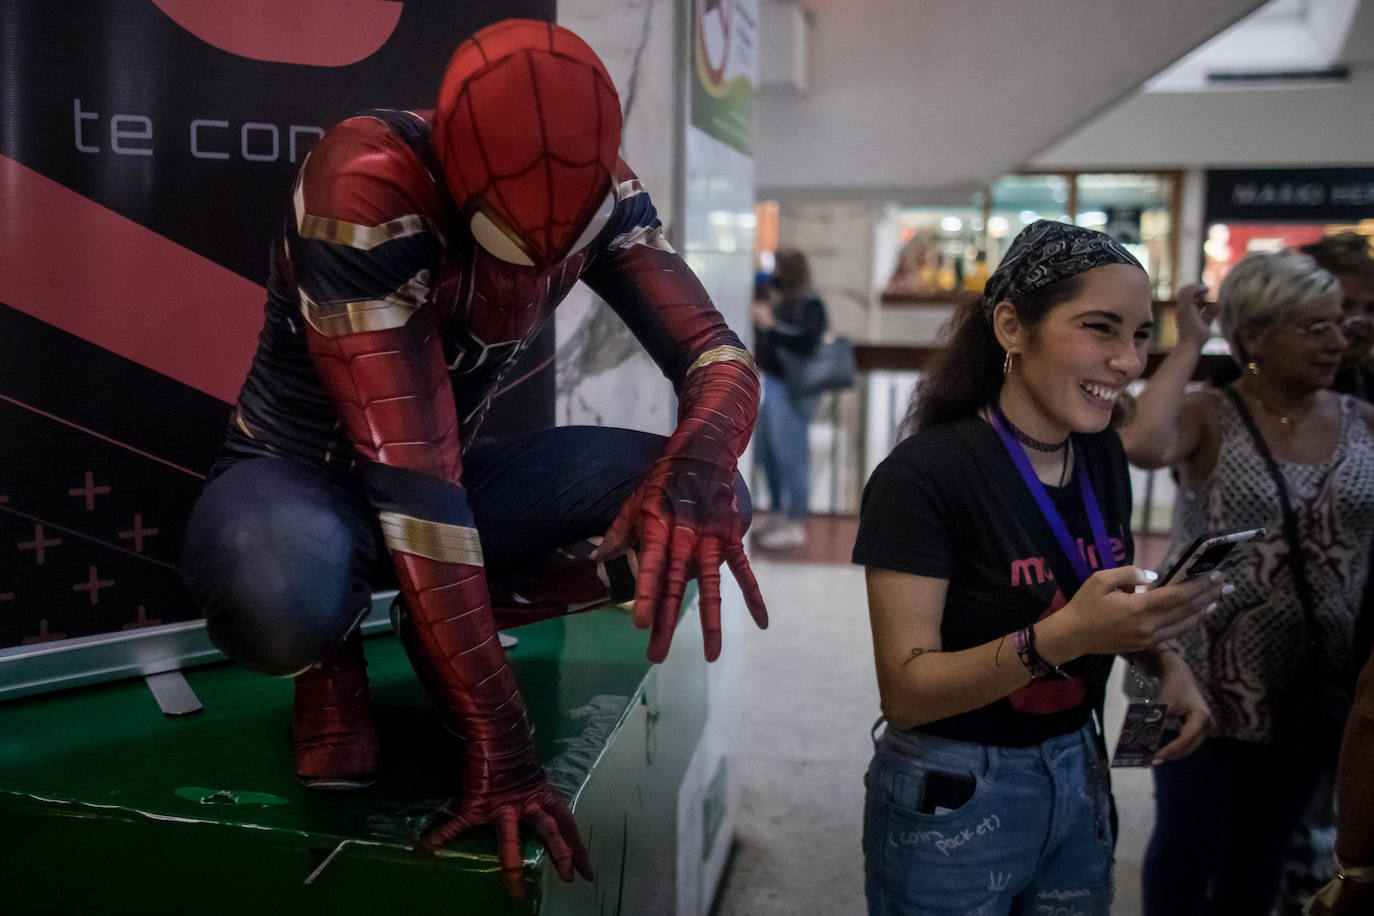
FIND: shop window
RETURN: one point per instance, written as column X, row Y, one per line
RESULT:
column 938, row 253
column 1136, row 210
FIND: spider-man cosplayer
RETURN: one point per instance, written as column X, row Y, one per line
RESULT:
column 421, row 253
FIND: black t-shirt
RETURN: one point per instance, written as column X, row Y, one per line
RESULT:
column 948, row 503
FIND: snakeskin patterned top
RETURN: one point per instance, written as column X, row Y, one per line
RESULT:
column 1248, row 655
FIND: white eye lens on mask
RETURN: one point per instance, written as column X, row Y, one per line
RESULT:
column 599, row 220
column 497, row 243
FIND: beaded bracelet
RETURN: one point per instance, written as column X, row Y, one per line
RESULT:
column 1024, row 641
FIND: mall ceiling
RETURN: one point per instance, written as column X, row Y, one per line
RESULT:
column 912, row 101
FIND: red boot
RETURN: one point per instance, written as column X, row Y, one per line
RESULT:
column 333, row 734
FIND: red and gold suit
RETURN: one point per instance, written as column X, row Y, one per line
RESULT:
column 421, row 253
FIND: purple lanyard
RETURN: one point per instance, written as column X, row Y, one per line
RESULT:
column 1106, row 556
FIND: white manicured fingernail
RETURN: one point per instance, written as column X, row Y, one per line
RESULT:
column 1214, row 576
column 1210, row 608
column 1148, row 575
column 1228, row 588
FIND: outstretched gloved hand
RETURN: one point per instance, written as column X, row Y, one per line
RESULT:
column 685, row 516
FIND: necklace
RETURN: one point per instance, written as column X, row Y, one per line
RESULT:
column 1285, row 419
column 1026, row 438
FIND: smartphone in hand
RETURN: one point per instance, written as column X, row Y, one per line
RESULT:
column 1207, row 553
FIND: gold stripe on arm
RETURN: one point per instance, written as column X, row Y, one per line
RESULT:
column 435, row 540
column 335, row 319
column 355, row 235
column 724, row 354
column 627, row 189
column 648, row 236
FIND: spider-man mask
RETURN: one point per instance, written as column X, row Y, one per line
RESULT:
column 527, row 131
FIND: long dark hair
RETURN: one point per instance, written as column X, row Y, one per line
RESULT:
column 967, row 372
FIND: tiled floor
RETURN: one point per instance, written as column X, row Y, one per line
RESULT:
column 804, row 740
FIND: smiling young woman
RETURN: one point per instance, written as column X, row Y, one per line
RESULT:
column 993, row 635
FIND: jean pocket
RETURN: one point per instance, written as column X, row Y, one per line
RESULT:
column 932, row 795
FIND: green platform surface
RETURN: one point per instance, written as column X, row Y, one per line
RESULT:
column 108, row 806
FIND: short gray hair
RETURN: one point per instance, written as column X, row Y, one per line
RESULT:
column 1265, row 287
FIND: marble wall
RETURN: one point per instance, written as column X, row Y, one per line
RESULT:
column 718, row 234
column 603, row 376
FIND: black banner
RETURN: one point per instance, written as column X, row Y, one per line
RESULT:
column 100, row 467
column 120, row 102
column 1290, row 195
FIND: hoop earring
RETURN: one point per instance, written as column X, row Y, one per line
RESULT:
column 1006, row 364
column 1253, row 367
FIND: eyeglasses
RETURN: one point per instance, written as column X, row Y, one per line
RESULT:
column 1323, row 331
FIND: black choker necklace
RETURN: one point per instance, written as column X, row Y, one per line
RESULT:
column 1025, row 438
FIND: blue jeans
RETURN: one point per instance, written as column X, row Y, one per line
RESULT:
column 784, row 448
column 1034, row 838
column 1223, row 817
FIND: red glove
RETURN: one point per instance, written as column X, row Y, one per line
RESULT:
column 449, row 633
column 395, row 402
column 685, row 517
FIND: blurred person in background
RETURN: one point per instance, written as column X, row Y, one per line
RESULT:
column 793, row 318
column 1278, row 449
column 1345, row 256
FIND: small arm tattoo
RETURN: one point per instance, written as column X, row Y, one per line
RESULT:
column 917, row 653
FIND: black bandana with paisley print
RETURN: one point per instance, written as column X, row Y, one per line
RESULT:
column 1046, row 252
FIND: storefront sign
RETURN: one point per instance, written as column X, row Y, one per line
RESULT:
column 1290, row 195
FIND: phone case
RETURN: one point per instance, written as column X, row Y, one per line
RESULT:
column 1208, row 552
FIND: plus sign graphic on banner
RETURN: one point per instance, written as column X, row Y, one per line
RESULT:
column 95, row 488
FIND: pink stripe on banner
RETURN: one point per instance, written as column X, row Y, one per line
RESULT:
column 83, row 268
column 321, row 33
column 101, row 436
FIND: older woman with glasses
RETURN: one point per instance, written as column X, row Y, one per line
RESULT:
column 1277, row 449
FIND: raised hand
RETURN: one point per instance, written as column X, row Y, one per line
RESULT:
column 1194, row 314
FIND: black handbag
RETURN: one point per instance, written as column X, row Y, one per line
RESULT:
column 829, row 367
